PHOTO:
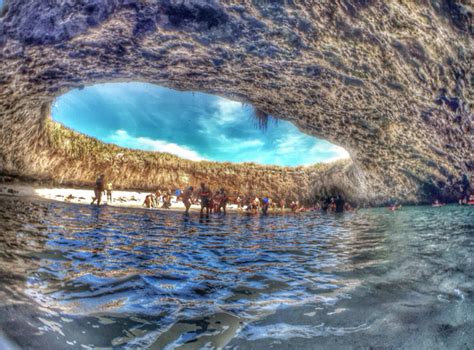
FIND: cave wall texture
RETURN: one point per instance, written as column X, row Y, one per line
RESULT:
column 390, row 81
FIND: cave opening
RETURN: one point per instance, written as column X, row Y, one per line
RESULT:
column 191, row 125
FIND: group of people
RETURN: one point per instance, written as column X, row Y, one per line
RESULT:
column 467, row 200
column 216, row 202
column 210, row 202
column 152, row 200
column 100, row 187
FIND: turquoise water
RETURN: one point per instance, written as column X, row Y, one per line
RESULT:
column 75, row 276
column 191, row 125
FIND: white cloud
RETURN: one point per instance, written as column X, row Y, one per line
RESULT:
column 296, row 143
column 236, row 145
column 122, row 138
column 227, row 111
column 290, row 144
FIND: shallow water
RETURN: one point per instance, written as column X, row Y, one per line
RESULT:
column 74, row 276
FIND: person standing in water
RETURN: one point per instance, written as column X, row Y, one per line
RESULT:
column 339, row 203
column 224, row 198
column 166, row 200
column 178, row 194
column 265, row 205
column 282, row 204
column 256, row 204
column 239, row 202
column 205, row 195
column 98, row 189
column 186, row 195
column 149, row 201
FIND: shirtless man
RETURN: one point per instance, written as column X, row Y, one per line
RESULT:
column 205, row 195
column 98, row 189
column 186, row 195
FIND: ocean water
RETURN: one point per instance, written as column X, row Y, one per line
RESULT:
column 82, row 277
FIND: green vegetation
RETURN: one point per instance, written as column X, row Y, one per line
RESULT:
column 82, row 158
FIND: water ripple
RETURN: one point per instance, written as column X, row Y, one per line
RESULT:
column 138, row 278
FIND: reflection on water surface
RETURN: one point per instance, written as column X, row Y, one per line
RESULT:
column 75, row 276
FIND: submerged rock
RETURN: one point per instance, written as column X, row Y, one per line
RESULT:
column 390, row 82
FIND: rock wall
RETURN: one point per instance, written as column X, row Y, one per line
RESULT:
column 391, row 82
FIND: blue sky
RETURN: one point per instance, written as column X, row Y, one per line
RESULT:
column 191, row 125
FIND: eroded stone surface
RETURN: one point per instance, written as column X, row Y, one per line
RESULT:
column 388, row 81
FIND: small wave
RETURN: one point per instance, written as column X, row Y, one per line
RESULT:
column 284, row 331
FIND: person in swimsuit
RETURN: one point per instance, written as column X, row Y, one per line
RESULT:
column 282, row 204
column 223, row 199
column 186, row 195
column 265, row 205
column 149, row 201
column 109, row 189
column 205, row 196
column 166, row 200
column 214, row 203
column 293, row 206
column 98, row 189
column 256, row 205
column 239, row 202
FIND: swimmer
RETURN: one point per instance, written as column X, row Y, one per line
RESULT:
column 395, row 206
column 471, row 200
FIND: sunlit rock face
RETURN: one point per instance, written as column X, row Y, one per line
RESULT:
column 389, row 81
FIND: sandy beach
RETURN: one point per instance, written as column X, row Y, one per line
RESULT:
column 127, row 199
